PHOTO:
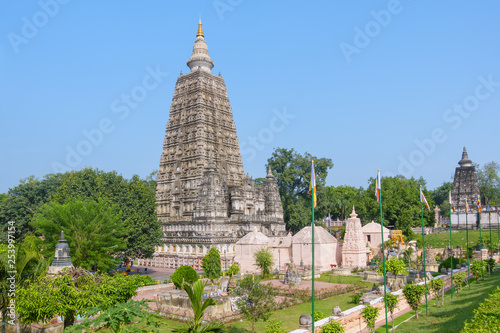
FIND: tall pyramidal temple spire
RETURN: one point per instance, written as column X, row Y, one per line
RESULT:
column 200, row 59
column 465, row 184
column 203, row 197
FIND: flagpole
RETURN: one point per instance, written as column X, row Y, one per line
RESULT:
column 378, row 185
column 451, row 252
column 489, row 225
column 313, row 189
column 480, row 238
column 467, row 240
column 423, row 250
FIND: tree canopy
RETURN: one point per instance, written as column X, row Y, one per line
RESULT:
column 94, row 232
column 134, row 199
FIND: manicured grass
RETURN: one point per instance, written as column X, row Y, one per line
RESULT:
column 442, row 240
column 450, row 317
column 290, row 316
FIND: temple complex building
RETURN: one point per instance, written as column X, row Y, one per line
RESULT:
column 466, row 186
column 203, row 196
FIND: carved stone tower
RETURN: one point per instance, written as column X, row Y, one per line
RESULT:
column 203, row 197
column 354, row 249
column 465, row 184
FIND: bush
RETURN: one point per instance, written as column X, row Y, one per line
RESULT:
column 477, row 269
column 233, row 270
column 486, row 317
column 436, row 285
column 332, row 327
column 370, row 314
column 186, row 274
column 318, row 315
column 460, row 280
column 447, row 263
column 264, row 260
column 144, row 280
column 275, row 326
column 413, row 294
column 356, row 298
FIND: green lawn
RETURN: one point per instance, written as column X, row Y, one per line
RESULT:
column 452, row 316
column 442, row 240
column 290, row 316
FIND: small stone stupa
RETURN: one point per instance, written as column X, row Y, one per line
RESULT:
column 61, row 259
column 292, row 275
column 354, row 249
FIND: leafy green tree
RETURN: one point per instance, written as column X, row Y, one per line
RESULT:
column 293, row 174
column 338, row 201
column 69, row 294
column 413, row 295
column 120, row 317
column 477, row 269
column 264, row 260
column 394, row 265
column 400, row 203
column 332, row 327
column 184, row 274
column 19, row 264
column 93, row 230
column 392, row 303
column 234, row 269
column 436, row 285
column 135, row 198
column 24, row 201
column 211, row 264
column 275, row 326
column 447, row 262
column 370, row 314
column 196, row 325
column 460, row 280
column 488, row 178
column 256, row 300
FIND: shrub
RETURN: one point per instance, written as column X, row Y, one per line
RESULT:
column 486, row 317
column 447, row 263
column 394, row 265
column 370, row 314
column 318, row 315
column 413, row 294
column 264, row 260
column 436, row 286
column 275, row 326
column 477, row 269
column 460, row 280
column 356, row 298
column 144, row 280
column 211, row 264
column 233, row 270
column 332, row 327
column 186, row 274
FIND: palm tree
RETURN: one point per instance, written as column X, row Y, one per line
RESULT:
column 196, row 325
column 20, row 265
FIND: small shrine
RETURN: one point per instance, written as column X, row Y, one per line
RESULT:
column 62, row 258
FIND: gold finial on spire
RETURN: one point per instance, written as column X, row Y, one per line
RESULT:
column 199, row 34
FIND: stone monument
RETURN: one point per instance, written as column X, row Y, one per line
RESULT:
column 465, row 184
column 62, row 258
column 292, row 275
column 203, row 197
column 354, row 249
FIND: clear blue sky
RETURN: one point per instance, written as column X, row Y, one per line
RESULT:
column 365, row 82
